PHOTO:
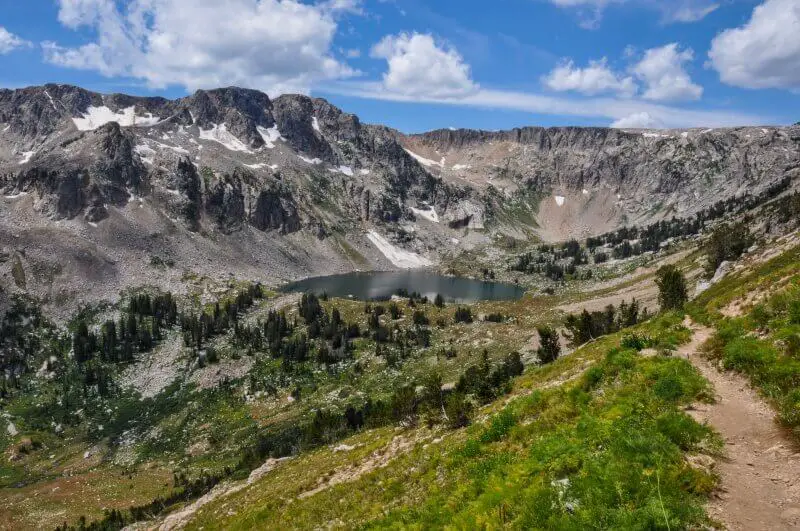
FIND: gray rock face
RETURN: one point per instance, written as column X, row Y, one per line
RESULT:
column 275, row 211
column 635, row 163
column 187, row 182
column 241, row 110
column 295, row 118
column 225, row 204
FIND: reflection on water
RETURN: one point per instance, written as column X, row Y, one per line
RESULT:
column 382, row 285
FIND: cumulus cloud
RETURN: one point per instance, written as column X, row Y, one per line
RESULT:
column 638, row 120
column 596, row 78
column 10, row 42
column 763, row 53
column 419, row 66
column 274, row 45
column 663, row 72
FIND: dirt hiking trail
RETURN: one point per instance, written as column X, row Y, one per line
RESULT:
column 760, row 472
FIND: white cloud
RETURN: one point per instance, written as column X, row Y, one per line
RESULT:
column 612, row 109
column 688, row 11
column 591, row 11
column 419, row 66
column 597, row 78
column 765, row 52
column 638, row 120
column 273, row 45
column 663, row 73
column 10, row 42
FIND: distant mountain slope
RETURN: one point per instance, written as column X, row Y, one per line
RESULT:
column 95, row 187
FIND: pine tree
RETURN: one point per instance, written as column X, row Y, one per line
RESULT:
column 549, row 346
column 672, row 293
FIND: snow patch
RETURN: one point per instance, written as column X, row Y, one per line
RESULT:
column 585, row 191
column 146, row 153
column 15, row 196
column 422, row 160
column 315, row 124
column 459, row 167
column 685, row 134
column 429, row 214
column 256, row 166
column 397, row 256
column 49, row 97
column 314, row 161
column 560, row 200
column 26, row 156
column 176, row 149
column 363, row 171
column 11, row 429
column 95, row 117
column 270, row 136
column 219, row 133
column 347, row 170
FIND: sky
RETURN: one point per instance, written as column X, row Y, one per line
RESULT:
column 417, row 65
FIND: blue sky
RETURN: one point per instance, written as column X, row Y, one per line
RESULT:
column 420, row 65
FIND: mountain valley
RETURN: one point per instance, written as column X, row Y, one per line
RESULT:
column 156, row 373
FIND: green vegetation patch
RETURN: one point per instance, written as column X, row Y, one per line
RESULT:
column 606, row 450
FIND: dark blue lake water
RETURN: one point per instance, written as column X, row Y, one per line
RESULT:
column 382, row 285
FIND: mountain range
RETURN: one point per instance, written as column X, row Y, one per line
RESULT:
column 96, row 188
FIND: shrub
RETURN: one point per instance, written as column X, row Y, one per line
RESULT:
column 681, row 429
column 500, row 426
column 463, row 315
column 669, row 388
column 636, row 341
column 419, row 318
column 761, row 317
column 394, row 311
column 459, row 410
column 727, row 242
column 794, row 312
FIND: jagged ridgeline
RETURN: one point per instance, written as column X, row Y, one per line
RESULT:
column 230, row 180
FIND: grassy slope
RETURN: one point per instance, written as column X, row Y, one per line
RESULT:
column 605, row 449
column 760, row 335
column 192, row 430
